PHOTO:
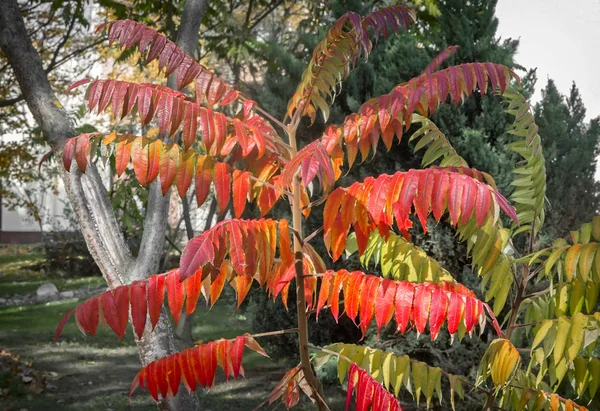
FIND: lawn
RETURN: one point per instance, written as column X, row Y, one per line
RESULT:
column 95, row 373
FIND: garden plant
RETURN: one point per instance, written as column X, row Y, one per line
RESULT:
column 538, row 304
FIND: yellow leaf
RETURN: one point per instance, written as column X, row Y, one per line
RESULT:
column 455, row 386
column 578, row 324
column 577, row 296
column 562, row 300
column 596, row 228
column 586, row 260
column 387, row 366
column 110, row 138
column 571, row 260
column 563, row 328
column 419, row 374
column 541, row 333
column 585, row 233
column 401, row 374
column 553, row 259
column 434, row 380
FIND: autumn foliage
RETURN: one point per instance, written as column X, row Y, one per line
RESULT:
column 212, row 137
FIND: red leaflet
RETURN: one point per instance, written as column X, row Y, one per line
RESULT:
column 405, row 292
column 241, row 188
column 437, row 315
column 403, row 205
column 193, row 288
column 237, row 350
column 77, row 84
column 62, row 323
column 384, row 303
column 186, row 365
column 82, row 149
column 467, row 203
column 161, row 377
column 421, row 307
column 424, row 198
column 115, row 308
column 185, row 171
column 237, row 248
column 376, row 201
column 87, row 316
column 352, row 291
column 367, row 301
column 169, row 164
column 220, row 134
column 204, row 176
column 138, row 299
column 471, row 314
column 176, row 294
column 223, row 351
column 369, row 393
column 455, row 312
column 69, row 152
column 480, row 75
column 455, row 198
column 230, row 97
column 207, row 125
column 164, row 112
column 196, row 365
column 482, row 204
column 156, row 295
column 173, row 371
column 222, row 185
column 441, row 185
column 434, row 190
column 190, row 124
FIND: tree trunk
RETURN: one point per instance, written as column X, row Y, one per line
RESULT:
column 87, row 193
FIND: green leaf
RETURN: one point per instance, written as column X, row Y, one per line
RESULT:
column 419, row 373
column 594, row 381
column 541, row 333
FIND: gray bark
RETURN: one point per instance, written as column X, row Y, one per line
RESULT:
column 87, row 193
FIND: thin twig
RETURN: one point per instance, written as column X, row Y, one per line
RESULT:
column 278, row 332
column 313, row 234
column 270, row 117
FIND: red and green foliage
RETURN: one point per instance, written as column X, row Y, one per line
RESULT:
column 212, row 136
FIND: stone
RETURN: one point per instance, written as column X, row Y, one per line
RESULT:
column 67, row 294
column 47, row 290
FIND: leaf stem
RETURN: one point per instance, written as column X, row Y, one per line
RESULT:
column 270, row 117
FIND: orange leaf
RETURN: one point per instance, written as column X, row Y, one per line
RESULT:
column 176, row 294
